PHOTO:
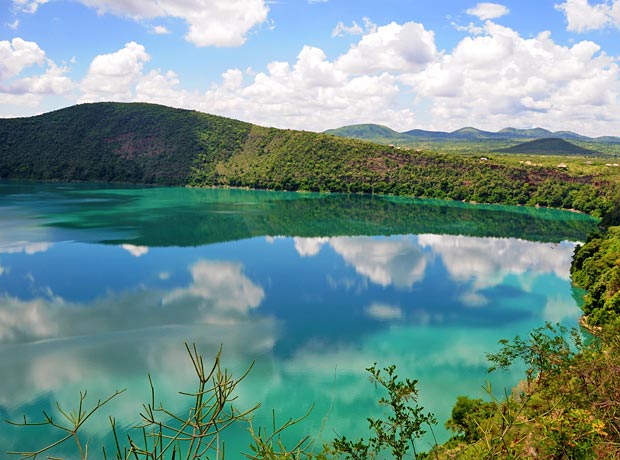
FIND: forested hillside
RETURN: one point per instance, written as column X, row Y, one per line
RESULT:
column 112, row 142
column 151, row 144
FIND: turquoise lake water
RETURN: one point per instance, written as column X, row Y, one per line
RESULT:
column 102, row 285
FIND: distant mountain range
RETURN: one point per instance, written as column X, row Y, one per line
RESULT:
column 383, row 134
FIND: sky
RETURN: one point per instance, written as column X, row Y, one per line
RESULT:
column 321, row 64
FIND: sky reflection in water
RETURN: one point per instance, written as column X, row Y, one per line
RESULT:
column 100, row 286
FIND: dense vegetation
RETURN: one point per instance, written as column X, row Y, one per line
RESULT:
column 566, row 407
column 596, row 268
column 111, row 142
column 304, row 161
column 145, row 143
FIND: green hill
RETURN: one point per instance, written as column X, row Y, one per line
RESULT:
column 471, row 133
column 145, row 143
column 140, row 143
column 369, row 132
column 525, row 133
column 548, row 146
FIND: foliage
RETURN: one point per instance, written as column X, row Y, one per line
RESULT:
column 546, row 351
column 270, row 446
column 596, row 268
column 465, row 414
column 396, row 433
column 567, row 407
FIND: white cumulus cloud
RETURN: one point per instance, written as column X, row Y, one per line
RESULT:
column 487, row 10
column 160, row 30
column 223, row 23
column 114, row 76
column 392, row 75
column 506, row 80
column 313, row 93
column 17, row 55
column 393, row 47
column 340, row 30
column 163, row 88
column 582, row 16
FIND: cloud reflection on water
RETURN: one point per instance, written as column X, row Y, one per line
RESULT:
column 387, row 262
column 136, row 251
column 122, row 336
column 308, row 247
column 52, row 349
column 219, row 293
column 384, row 312
column 26, row 247
column 488, row 262
column 398, row 262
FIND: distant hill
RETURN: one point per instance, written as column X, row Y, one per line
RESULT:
column 524, row 133
column 365, row 132
column 423, row 134
column 387, row 135
column 548, row 146
column 153, row 144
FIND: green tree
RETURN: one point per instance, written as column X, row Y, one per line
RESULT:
column 397, row 433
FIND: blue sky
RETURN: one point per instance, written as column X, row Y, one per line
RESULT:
column 319, row 64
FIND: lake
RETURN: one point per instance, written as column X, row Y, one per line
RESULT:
column 102, row 285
